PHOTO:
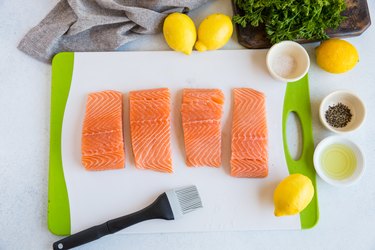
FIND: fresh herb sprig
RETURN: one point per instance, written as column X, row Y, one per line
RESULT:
column 291, row 19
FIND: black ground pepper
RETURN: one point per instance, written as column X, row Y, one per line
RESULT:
column 338, row 116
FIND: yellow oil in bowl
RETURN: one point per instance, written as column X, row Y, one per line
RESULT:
column 338, row 161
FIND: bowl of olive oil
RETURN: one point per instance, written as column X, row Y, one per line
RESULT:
column 339, row 161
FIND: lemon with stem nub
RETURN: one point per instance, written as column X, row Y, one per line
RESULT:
column 293, row 194
column 336, row 56
column 214, row 32
column 179, row 32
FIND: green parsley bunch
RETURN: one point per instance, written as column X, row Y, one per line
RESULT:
column 292, row 19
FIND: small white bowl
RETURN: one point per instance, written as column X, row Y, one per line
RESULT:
column 360, row 162
column 352, row 101
column 287, row 61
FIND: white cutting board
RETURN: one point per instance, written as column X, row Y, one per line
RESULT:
column 229, row 203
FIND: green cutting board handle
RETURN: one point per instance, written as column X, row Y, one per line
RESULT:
column 58, row 201
column 297, row 100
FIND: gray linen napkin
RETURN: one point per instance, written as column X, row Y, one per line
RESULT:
column 98, row 25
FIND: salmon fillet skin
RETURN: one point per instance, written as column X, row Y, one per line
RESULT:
column 249, row 157
column 201, row 113
column 102, row 134
column 150, row 128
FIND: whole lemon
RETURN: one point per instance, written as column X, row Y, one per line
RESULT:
column 179, row 32
column 214, row 32
column 336, row 56
column 293, row 194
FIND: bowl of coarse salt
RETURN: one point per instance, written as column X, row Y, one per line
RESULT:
column 287, row 61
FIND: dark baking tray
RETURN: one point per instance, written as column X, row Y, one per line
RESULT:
column 357, row 21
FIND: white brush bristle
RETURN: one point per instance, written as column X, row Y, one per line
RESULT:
column 184, row 200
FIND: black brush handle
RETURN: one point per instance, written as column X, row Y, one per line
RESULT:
column 83, row 237
column 159, row 209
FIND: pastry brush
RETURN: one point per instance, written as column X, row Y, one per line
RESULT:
column 170, row 205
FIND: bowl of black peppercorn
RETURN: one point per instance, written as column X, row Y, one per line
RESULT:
column 342, row 111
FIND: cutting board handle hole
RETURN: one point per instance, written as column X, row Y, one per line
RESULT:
column 294, row 136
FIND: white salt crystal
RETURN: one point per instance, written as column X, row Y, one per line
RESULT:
column 284, row 65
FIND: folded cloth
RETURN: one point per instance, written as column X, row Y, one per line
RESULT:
column 98, row 25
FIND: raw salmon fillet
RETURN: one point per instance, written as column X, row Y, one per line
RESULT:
column 249, row 134
column 102, row 135
column 150, row 128
column 201, row 114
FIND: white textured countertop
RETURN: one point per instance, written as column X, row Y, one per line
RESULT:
column 347, row 215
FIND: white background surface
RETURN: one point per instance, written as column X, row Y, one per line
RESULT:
column 347, row 215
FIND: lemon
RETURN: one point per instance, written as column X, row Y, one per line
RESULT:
column 214, row 32
column 293, row 194
column 179, row 32
column 336, row 56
